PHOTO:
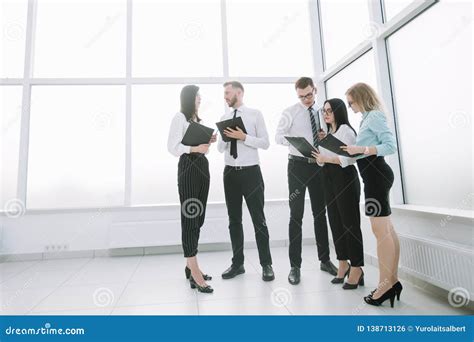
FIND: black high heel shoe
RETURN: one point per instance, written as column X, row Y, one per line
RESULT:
column 390, row 294
column 203, row 289
column 187, row 272
column 397, row 287
column 337, row 280
column 348, row 286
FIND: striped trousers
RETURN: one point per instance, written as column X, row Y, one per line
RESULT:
column 193, row 186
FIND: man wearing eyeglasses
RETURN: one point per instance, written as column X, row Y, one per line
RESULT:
column 304, row 119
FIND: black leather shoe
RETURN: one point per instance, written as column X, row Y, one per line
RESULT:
column 187, row 273
column 267, row 273
column 294, row 276
column 349, row 286
column 329, row 267
column 203, row 289
column 233, row 271
column 337, row 280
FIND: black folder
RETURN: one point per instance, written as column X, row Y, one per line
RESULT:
column 302, row 145
column 197, row 134
column 231, row 123
column 333, row 144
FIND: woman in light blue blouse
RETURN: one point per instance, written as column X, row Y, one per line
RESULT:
column 375, row 140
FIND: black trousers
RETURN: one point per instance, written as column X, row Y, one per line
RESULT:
column 302, row 175
column 193, row 186
column 342, row 191
column 246, row 183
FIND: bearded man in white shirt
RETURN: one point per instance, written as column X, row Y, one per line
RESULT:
column 243, row 179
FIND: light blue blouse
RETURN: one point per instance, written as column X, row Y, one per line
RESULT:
column 374, row 131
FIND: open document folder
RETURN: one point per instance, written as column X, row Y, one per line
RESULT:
column 333, row 144
column 302, row 145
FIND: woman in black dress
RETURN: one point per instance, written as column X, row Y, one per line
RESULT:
column 375, row 140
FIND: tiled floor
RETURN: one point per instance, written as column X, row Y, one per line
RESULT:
column 155, row 285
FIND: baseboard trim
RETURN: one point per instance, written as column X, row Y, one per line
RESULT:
column 134, row 251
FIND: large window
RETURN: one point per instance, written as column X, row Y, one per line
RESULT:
column 345, row 24
column 361, row 70
column 433, row 94
column 269, row 38
column 73, row 41
column 10, row 106
column 177, row 38
column 76, row 154
column 394, row 7
column 13, row 25
column 78, row 137
column 104, row 84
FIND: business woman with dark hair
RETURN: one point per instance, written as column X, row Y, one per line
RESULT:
column 193, row 184
column 375, row 140
column 342, row 193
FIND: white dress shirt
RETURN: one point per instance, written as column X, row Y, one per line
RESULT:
column 348, row 137
column 295, row 122
column 257, row 137
column 178, row 128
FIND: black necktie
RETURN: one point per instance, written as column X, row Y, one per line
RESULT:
column 233, row 142
column 315, row 125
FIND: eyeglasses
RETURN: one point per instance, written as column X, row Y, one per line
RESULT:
column 307, row 96
column 327, row 111
column 350, row 103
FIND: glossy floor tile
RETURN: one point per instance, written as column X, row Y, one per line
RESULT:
column 156, row 285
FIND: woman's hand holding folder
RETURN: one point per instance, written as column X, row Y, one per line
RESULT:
column 200, row 148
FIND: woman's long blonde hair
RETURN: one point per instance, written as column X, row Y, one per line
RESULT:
column 365, row 96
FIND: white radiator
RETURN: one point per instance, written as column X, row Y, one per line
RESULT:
column 444, row 265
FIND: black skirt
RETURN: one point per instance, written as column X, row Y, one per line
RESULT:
column 378, row 179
